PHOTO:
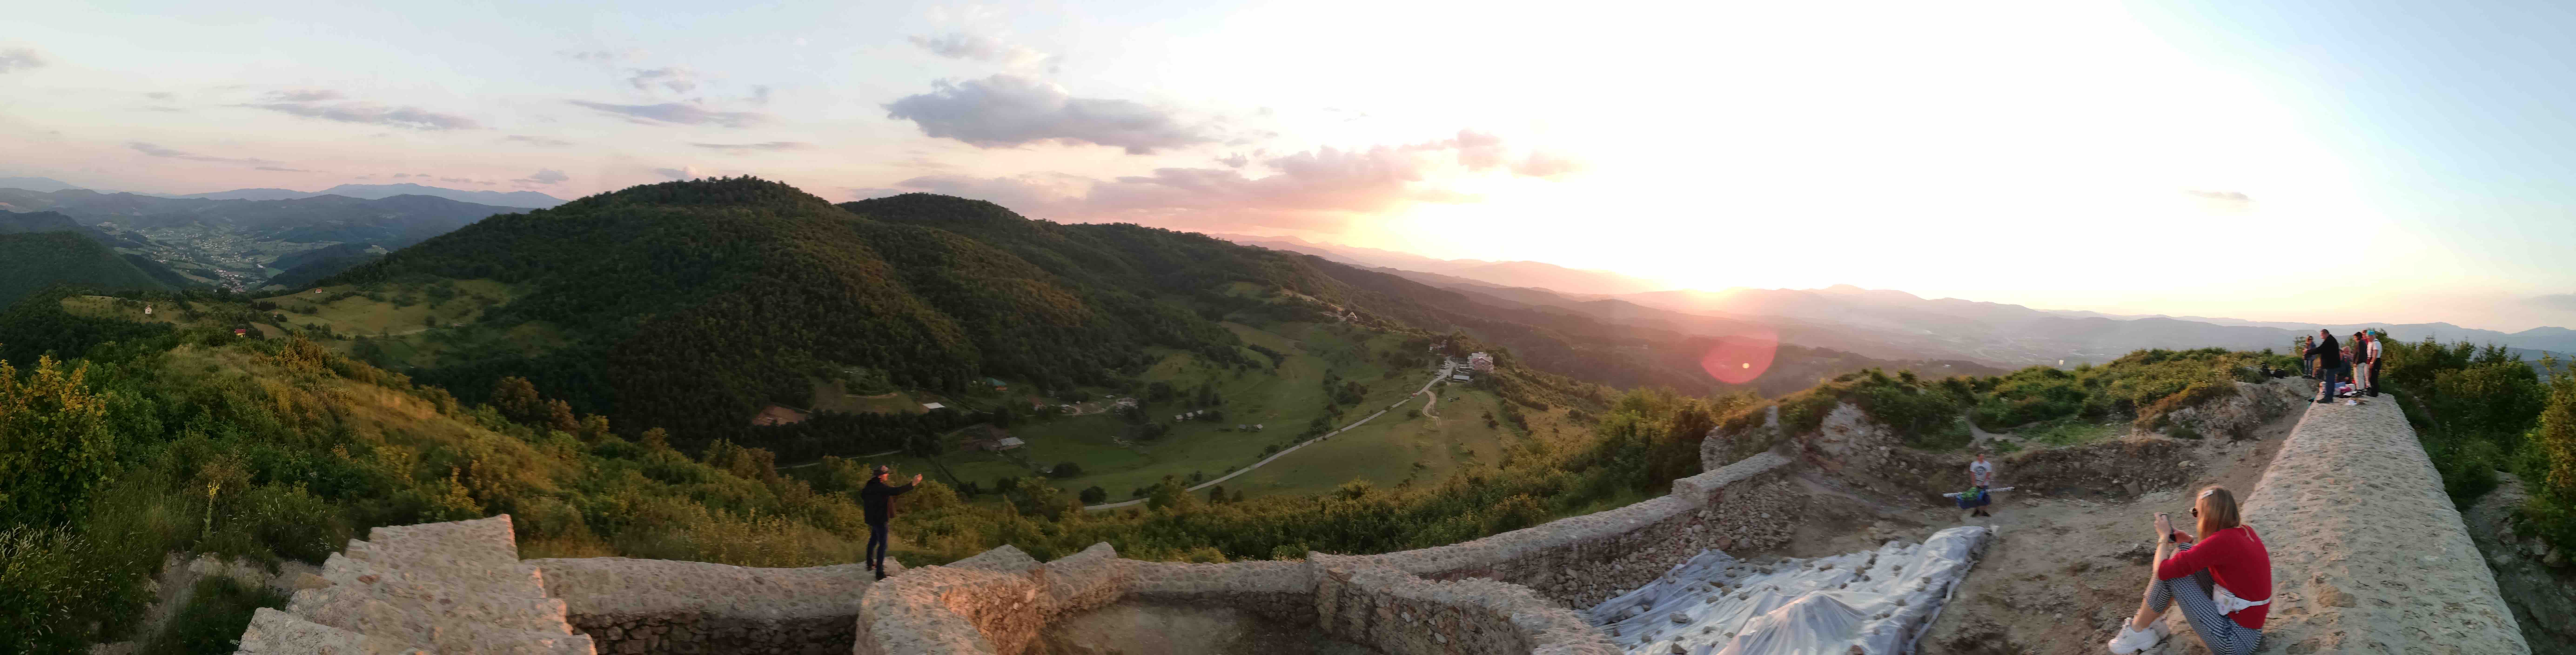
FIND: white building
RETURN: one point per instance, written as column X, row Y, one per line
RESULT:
column 1483, row 363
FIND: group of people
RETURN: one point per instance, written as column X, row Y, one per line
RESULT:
column 2341, row 369
column 2219, row 572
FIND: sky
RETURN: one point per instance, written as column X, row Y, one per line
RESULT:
column 2295, row 161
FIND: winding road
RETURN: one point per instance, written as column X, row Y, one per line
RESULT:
column 1426, row 389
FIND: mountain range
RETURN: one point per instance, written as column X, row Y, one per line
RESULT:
column 239, row 244
column 520, row 199
column 1884, row 323
column 1504, row 273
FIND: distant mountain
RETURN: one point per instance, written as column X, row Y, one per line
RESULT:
column 1510, row 274
column 253, row 194
column 529, row 199
column 35, row 184
column 32, row 261
column 394, row 221
column 20, row 223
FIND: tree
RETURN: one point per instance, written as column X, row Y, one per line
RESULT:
column 1066, row 470
column 1094, row 495
column 517, row 399
column 55, row 445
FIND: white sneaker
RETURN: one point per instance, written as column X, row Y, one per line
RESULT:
column 2131, row 640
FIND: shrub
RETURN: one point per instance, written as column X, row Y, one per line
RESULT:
column 218, row 609
column 1066, row 470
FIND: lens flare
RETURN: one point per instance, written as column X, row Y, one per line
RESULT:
column 1741, row 358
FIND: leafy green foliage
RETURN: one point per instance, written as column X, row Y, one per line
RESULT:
column 32, row 261
column 212, row 621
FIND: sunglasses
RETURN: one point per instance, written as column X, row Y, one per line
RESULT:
column 2195, row 512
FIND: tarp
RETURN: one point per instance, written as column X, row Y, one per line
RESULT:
column 1878, row 601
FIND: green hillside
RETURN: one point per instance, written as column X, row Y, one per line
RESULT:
column 35, row 260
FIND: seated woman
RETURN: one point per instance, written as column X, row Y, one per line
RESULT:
column 2223, row 581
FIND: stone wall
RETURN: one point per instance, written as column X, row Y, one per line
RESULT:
column 2368, row 553
column 998, row 603
column 1580, row 561
column 633, row 606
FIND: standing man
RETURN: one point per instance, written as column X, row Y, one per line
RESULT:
column 2370, row 381
column 1981, row 473
column 2309, row 360
column 2330, row 365
column 877, row 503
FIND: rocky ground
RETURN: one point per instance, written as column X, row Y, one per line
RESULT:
column 2543, row 598
column 2064, row 568
column 1167, row 629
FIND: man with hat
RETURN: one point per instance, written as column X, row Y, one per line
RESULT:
column 877, row 502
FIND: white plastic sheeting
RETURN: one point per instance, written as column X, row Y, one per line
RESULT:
column 1876, row 602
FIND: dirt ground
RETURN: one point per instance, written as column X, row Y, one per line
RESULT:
column 2063, row 571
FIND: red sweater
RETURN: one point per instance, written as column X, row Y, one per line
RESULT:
column 2236, row 559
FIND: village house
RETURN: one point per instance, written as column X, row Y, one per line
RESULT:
column 990, row 437
column 1483, row 363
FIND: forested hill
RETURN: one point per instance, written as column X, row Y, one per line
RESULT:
column 35, row 260
column 689, row 305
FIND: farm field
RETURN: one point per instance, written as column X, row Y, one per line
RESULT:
column 1286, row 403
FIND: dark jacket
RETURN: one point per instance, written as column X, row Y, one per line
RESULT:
column 2329, row 353
column 877, row 500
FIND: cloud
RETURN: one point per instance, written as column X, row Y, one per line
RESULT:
column 1479, row 151
column 463, row 180
column 681, row 173
column 310, row 95
column 309, row 104
column 739, row 148
column 158, row 151
column 1324, row 189
column 1009, row 110
column 1548, row 165
column 2565, row 302
column 283, row 169
column 600, row 56
column 2222, row 200
column 759, row 95
column 160, row 95
column 679, row 79
column 20, row 59
column 537, row 140
column 672, row 113
column 543, row 177
column 401, row 175
column 978, row 47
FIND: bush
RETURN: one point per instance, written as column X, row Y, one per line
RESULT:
column 1066, row 470
column 1094, row 495
column 218, row 610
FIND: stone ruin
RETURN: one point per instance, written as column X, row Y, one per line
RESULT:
column 2345, row 474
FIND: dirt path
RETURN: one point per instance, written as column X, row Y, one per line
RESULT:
column 1426, row 388
column 2064, row 571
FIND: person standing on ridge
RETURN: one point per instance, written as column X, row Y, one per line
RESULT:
column 877, row 503
column 1981, row 474
column 2370, row 382
column 2330, row 366
column 2307, row 362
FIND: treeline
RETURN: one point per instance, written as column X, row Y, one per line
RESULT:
column 2482, row 410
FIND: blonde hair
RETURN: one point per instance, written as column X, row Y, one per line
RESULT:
column 2222, row 512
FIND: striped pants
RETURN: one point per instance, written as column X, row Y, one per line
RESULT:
column 2223, row 635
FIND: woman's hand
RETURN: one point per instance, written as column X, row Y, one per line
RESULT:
column 2164, row 526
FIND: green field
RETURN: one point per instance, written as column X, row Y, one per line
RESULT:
column 1387, row 451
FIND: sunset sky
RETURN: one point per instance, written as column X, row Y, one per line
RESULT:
column 2306, row 161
